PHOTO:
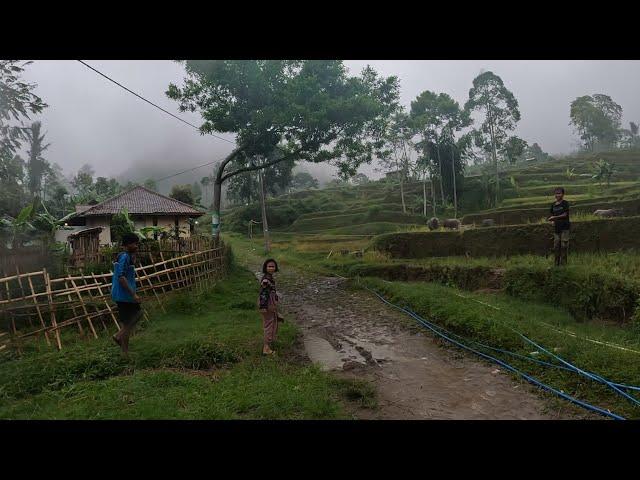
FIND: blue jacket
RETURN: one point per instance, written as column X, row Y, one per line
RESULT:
column 123, row 268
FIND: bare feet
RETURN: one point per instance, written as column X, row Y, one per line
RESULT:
column 117, row 340
column 267, row 351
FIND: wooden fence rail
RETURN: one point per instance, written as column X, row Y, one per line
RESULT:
column 34, row 305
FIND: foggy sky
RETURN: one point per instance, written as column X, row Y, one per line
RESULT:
column 91, row 120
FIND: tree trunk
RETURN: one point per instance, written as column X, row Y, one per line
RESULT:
column 440, row 166
column 433, row 195
column 217, row 193
column 400, row 172
column 215, row 214
column 424, row 195
column 455, row 192
column 265, row 226
column 494, row 153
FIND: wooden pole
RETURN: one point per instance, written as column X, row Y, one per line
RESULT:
column 152, row 288
column 46, row 334
column 155, row 271
column 106, row 304
column 14, row 331
column 73, row 307
column 52, row 307
column 84, row 308
column 22, row 291
column 265, row 225
column 95, row 307
column 169, row 279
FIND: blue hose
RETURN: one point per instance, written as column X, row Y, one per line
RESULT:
column 589, row 375
column 530, row 379
column 517, row 355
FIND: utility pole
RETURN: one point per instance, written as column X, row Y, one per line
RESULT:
column 265, row 226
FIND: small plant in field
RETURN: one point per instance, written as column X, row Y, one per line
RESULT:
column 376, row 256
column 514, row 183
column 373, row 211
column 570, row 173
column 602, row 172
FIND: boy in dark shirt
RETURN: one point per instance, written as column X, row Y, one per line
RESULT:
column 560, row 218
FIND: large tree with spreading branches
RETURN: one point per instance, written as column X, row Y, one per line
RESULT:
column 310, row 110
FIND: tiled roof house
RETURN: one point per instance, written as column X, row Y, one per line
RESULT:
column 146, row 208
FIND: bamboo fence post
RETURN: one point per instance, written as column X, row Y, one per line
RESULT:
column 106, row 302
column 205, row 279
column 191, row 271
column 14, row 331
column 196, row 272
column 159, row 277
column 52, row 307
column 95, row 306
column 73, row 307
column 153, row 289
column 84, row 308
column 181, row 270
column 46, row 334
column 169, row 279
column 23, row 292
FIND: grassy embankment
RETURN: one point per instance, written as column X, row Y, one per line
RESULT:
column 201, row 360
column 550, row 310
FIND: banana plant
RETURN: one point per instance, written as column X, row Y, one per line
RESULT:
column 602, row 171
column 570, row 173
column 46, row 221
column 152, row 231
column 514, row 183
column 18, row 227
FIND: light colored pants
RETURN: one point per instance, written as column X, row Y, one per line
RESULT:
column 561, row 239
column 270, row 325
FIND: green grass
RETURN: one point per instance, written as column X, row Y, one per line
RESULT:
column 456, row 310
column 543, row 199
column 461, row 313
column 621, row 264
column 200, row 360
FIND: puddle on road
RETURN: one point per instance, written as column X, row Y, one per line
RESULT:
column 320, row 351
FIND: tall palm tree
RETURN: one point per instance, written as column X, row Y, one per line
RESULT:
column 36, row 165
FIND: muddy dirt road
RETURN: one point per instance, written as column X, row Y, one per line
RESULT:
column 353, row 333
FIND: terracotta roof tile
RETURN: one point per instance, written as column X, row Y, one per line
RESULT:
column 140, row 200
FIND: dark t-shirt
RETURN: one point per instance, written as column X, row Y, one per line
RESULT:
column 267, row 291
column 559, row 209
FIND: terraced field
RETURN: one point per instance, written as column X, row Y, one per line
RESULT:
column 376, row 207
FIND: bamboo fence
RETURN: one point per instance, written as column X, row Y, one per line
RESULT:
column 35, row 306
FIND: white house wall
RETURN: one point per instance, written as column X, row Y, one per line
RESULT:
column 105, row 223
column 139, row 222
column 169, row 223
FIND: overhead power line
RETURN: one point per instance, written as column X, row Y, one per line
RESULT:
column 165, row 111
column 150, row 102
column 185, row 171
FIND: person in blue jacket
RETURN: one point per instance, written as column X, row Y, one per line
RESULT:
column 123, row 291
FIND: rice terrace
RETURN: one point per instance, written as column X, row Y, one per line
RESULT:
column 357, row 250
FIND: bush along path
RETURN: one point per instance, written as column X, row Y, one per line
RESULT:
column 351, row 333
column 201, row 360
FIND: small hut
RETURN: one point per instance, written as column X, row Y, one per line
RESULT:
column 85, row 247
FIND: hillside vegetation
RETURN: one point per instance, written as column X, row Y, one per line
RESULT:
column 376, row 207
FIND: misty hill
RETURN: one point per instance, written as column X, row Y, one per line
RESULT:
column 376, row 207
